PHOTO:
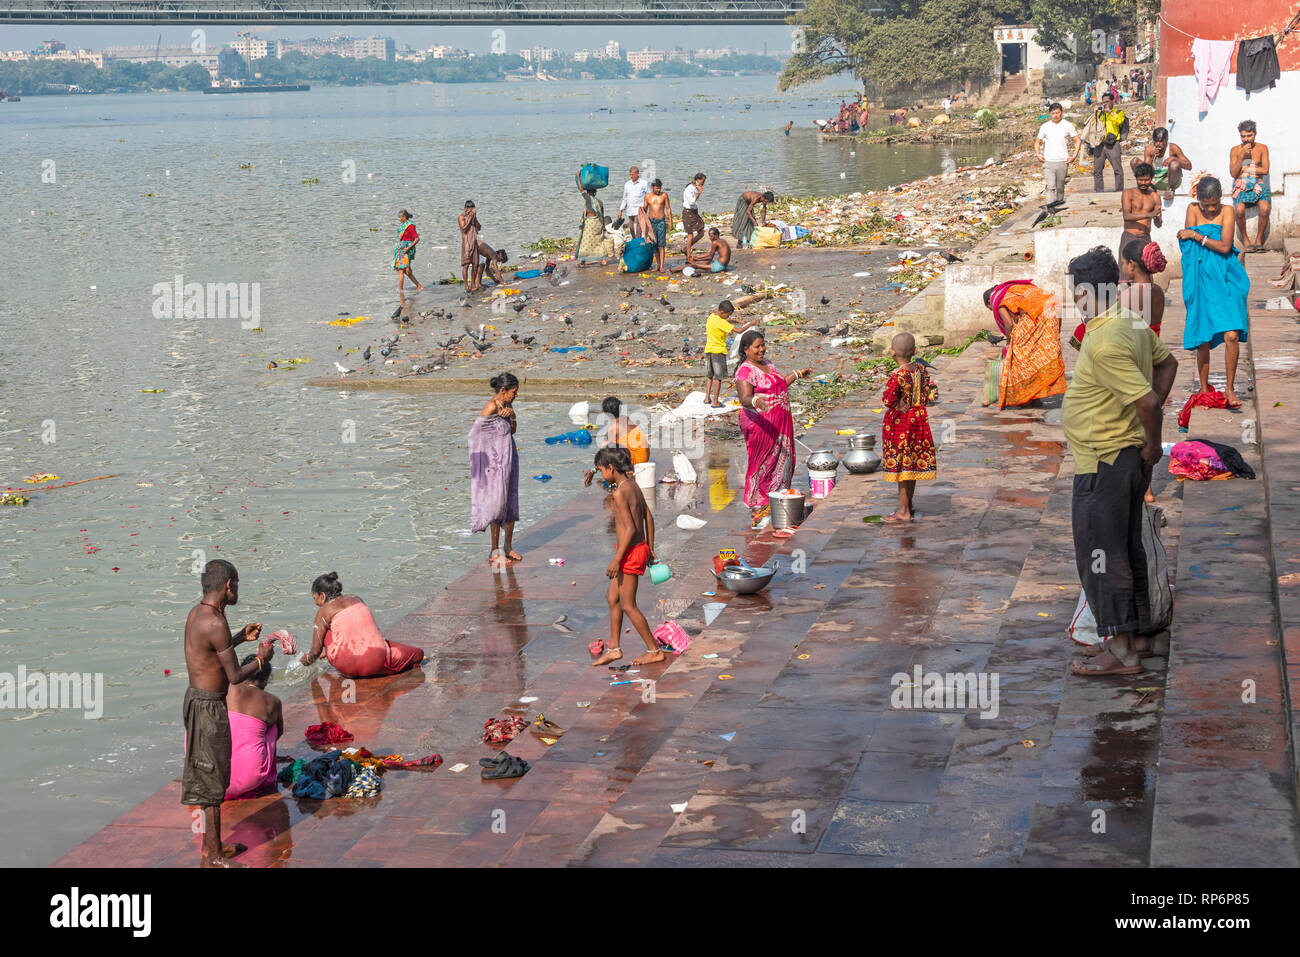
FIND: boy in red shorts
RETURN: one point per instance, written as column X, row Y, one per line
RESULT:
column 635, row 526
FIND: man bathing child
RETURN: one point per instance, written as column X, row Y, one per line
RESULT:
column 635, row 527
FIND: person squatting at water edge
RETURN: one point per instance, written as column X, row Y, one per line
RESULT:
column 346, row 633
column 210, row 664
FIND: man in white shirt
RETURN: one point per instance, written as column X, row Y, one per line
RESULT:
column 691, row 220
column 1056, row 151
column 634, row 191
column 947, row 106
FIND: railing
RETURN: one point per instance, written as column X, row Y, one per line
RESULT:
column 247, row 12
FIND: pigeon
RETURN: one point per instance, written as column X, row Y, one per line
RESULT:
column 463, row 300
column 514, row 337
column 604, row 317
column 366, row 355
column 389, row 340
column 664, row 300
column 343, row 370
column 952, row 257
column 745, row 288
column 529, row 340
column 568, row 320
column 519, row 306
column 995, row 338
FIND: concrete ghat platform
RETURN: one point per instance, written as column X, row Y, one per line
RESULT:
column 786, row 749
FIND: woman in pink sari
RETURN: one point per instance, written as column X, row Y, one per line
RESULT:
column 766, row 423
column 346, row 633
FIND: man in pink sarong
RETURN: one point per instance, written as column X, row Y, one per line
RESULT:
column 346, row 633
column 256, row 723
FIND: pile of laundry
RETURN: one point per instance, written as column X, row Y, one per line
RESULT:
column 330, row 775
column 1203, row 461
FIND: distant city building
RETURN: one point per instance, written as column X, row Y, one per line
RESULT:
column 381, row 48
column 526, row 56
column 582, row 56
column 613, row 51
column 253, row 48
column 683, row 56
column 643, row 59
column 440, row 52
column 714, row 54
column 544, row 54
column 177, row 57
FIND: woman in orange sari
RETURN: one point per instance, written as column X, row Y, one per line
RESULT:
column 1032, row 364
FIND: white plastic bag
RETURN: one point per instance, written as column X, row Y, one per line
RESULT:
column 690, row 522
column 1160, row 586
column 682, row 466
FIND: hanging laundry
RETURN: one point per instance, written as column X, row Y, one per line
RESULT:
column 1213, row 59
column 1257, row 66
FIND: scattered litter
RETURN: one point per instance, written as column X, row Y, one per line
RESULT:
column 584, row 704
column 724, row 677
column 690, row 523
column 1027, row 743
column 804, row 657
column 527, row 699
column 711, row 655
column 712, row 610
column 351, row 321
column 678, row 808
column 568, row 349
column 728, row 736
column 709, row 594
column 41, row 477
column 556, row 561
column 154, row 391
column 542, row 478
column 457, row 768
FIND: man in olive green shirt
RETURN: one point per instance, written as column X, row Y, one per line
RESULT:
column 1112, row 417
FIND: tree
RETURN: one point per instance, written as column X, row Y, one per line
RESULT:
column 1076, row 29
column 896, row 44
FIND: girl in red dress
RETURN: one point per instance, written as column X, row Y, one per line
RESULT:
column 909, row 446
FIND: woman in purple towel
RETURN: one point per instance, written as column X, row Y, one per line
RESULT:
column 494, row 469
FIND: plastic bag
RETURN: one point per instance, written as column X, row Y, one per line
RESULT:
column 637, row 255
column 594, row 177
column 1160, row 587
column 767, row 237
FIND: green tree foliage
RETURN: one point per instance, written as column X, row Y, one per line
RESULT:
column 1059, row 22
column 902, row 44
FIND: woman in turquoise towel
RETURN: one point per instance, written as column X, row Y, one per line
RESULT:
column 404, row 251
column 1215, row 286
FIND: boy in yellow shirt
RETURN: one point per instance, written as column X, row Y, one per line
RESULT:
column 716, row 329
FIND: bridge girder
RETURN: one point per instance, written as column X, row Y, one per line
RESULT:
column 395, row 12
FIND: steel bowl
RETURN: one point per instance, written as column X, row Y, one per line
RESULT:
column 746, row 581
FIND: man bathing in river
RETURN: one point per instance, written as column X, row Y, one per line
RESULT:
column 212, row 666
column 715, row 259
column 1140, row 206
column 635, row 526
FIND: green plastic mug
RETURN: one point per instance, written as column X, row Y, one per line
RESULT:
column 660, row 573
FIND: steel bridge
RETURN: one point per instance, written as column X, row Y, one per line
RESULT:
column 391, row 12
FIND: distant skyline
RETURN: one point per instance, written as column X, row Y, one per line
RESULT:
column 476, row 39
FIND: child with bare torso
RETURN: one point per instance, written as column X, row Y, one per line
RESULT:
column 635, row 526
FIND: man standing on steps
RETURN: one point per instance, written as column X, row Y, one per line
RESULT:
column 1057, row 147
column 1113, row 125
column 1248, row 164
column 1111, row 416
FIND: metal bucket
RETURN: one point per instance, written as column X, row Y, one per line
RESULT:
column 787, row 510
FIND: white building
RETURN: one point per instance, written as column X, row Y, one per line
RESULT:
column 1021, row 53
column 683, row 56
column 544, row 54
column 382, row 48
column 253, row 48
column 643, row 59
column 613, row 51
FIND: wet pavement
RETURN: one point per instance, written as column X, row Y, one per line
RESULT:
column 786, row 748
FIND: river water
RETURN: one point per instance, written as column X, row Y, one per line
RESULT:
column 104, row 198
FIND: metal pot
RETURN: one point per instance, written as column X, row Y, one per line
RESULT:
column 822, row 460
column 862, row 441
column 746, row 581
column 861, row 461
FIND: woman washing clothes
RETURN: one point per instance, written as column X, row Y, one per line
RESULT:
column 346, row 633
column 256, row 723
column 1032, row 367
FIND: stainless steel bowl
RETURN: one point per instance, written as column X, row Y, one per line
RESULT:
column 746, row 581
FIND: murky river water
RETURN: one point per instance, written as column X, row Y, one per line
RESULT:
column 104, row 197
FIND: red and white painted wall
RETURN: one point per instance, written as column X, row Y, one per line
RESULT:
column 1207, row 137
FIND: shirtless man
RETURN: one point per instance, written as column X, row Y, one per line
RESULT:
column 1248, row 164
column 1168, row 173
column 659, row 214
column 715, row 259
column 1141, row 207
column 212, row 666
column 488, row 260
column 635, row 526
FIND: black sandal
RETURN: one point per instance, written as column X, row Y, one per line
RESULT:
column 511, row 767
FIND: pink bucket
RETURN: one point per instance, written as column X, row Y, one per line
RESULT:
column 821, row 482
